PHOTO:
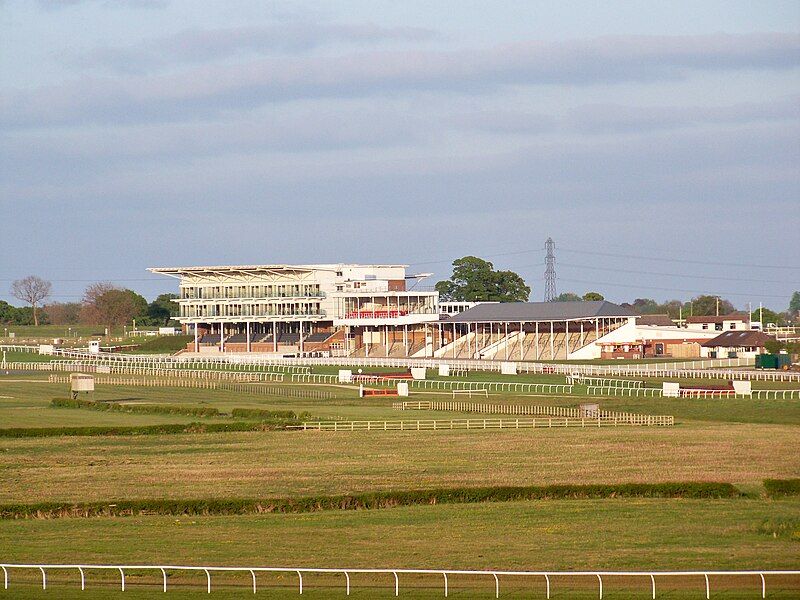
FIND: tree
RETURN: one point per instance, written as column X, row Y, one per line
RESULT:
column 63, row 313
column 119, row 307
column 704, row 306
column 593, row 296
column 567, row 297
column 773, row 346
column 161, row 310
column 794, row 305
column 766, row 316
column 475, row 279
column 32, row 290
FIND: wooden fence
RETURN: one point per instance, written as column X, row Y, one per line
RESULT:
column 528, row 409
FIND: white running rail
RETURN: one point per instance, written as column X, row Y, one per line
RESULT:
column 346, row 572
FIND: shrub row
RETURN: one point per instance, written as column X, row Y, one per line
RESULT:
column 369, row 500
column 255, row 413
column 167, row 428
column 782, row 487
column 148, row 409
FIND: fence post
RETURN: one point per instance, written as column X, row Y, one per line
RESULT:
column 396, row 584
column 122, row 576
column 496, row 586
column 44, row 579
column 347, row 577
column 547, row 579
column 164, row 577
column 653, row 581
column 300, row 575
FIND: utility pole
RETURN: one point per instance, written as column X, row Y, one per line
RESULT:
column 717, row 299
column 550, row 271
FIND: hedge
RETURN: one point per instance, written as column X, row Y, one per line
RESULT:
column 370, row 500
column 167, row 428
column 255, row 413
column 782, row 487
column 148, row 409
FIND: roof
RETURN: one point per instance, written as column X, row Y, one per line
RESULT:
column 540, row 311
column 719, row 319
column 736, row 339
column 660, row 320
column 250, row 269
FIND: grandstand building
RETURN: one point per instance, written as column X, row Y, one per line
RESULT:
column 336, row 308
column 378, row 311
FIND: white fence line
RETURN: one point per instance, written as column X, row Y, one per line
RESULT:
column 604, row 382
column 444, row 573
column 603, row 390
column 775, row 394
column 526, row 409
column 486, row 423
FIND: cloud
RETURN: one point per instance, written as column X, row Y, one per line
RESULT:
column 214, row 90
column 199, row 46
column 604, row 119
column 59, row 4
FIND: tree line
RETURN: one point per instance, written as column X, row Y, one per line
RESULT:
column 102, row 304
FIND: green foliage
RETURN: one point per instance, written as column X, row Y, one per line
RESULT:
column 475, row 279
column 117, row 307
column 170, row 428
column 567, row 297
column 161, row 310
column 369, row 500
column 773, row 346
column 144, row 409
column 794, row 304
column 704, row 306
column 782, row 487
column 593, row 296
column 23, row 315
column 255, row 413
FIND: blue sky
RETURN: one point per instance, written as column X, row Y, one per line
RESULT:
column 658, row 143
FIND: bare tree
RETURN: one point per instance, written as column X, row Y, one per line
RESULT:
column 32, row 290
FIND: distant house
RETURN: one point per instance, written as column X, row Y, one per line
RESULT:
column 731, row 322
column 736, row 344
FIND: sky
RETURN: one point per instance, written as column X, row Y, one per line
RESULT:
column 658, row 143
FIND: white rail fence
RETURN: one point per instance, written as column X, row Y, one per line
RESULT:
column 604, row 382
column 491, row 423
column 528, row 409
column 602, row 390
column 550, row 577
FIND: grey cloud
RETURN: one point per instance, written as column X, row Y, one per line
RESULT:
column 600, row 119
column 58, row 4
column 80, row 154
column 199, row 46
column 216, row 89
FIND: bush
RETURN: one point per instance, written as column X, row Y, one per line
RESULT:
column 238, row 506
column 146, row 409
column 255, row 413
column 166, row 344
column 169, row 428
column 782, row 487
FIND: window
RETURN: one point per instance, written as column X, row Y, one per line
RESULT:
column 718, row 326
column 705, row 325
column 338, row 273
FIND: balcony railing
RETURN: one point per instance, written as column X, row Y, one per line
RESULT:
column 245, row 298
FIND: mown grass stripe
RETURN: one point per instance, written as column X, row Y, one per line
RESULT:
column 369, row 500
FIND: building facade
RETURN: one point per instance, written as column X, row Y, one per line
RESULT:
column 301, row 308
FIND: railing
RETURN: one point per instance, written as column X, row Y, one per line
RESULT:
column 495, row 423
column 528, row 409
column 775, row 394
column 18, row 348
column 610, row 390
column 445, row 574
column 603, row 382
column 470, row 393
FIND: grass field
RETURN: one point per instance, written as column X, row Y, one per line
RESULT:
column 737, row 441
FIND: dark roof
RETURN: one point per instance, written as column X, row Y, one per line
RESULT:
column 721, row 318
column 736, row 339
column 659, row 320
column 540, row 311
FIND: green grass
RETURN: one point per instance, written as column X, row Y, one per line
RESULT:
column 613, row 534
column 167, row 344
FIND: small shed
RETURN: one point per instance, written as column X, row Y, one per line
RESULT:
column 80, row 382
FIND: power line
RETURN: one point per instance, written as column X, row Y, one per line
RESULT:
column 663, row 289
column 673, row 274
column 682, row 260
